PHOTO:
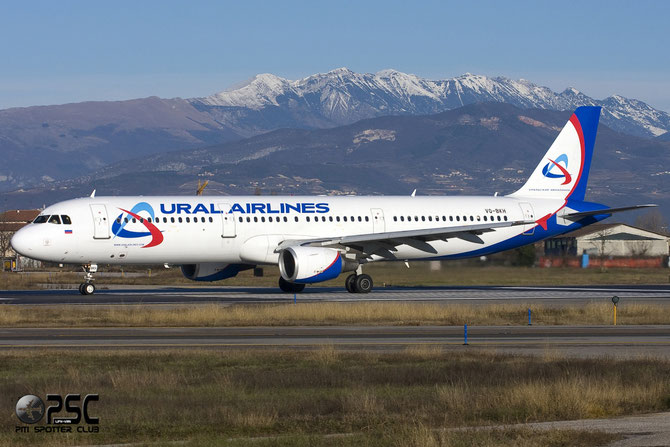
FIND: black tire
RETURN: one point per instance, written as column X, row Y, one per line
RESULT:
column 88, row 289
column 290, row 287
column 363, row 283
column 350, row 283
column 81, row 289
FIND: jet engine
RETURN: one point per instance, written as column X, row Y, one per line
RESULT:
column 212, row 271
column 312, row 264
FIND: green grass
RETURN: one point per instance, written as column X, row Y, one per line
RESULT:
column 328, row 397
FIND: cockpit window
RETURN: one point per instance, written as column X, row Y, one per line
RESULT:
column 54, row 219
column 41, row 219
column 66, row 219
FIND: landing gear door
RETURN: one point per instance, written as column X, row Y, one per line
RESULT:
column 228, row 220
column 100, row 221
column 528, row 214
column 378, row 223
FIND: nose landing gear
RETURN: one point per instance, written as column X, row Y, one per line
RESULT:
column 87, row 287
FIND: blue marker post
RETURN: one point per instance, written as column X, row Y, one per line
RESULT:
column 529, row 323
column 465, row 334
column 295, row 298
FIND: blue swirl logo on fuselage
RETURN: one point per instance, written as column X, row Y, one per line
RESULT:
column 119, row 224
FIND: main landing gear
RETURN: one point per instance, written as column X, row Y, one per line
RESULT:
column 358, row 283
column 290, row 287
column 87, row 287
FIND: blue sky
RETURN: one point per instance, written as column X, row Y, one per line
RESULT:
column 68, row 51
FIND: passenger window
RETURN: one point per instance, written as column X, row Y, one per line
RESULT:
column 458, row 218
column 359, row 219
column 188, row 220
column 262, row 218
column 345, row 218
column 255, row 218
column 330, row 218
column 41, row 219
column 451, row 218
column 505, row 218
column 285, row 219
column 416, row 218
column 248, row 219
column 337, row 218
column 179, row 219
column 212, row 220
column 118, row 220
column 395, row 218
column 134, row 220
column 66, row 219
column 202, row 219
column 54, row 219
column 430, row 218
column 485, row 218
column 367, row 218
column 307, row 218
column 296, row 218
column 241, row 219
column 125, row 219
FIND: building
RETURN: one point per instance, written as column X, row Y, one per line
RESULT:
column 10, row 222
column 612, row 244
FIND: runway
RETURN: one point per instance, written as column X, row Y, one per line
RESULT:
column 256, row 295
column 572, row 340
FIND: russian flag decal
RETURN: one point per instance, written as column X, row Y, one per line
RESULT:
column 68, row 231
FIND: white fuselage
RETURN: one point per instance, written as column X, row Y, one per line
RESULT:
column 248, row 229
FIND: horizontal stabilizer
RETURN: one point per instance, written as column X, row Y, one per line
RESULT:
column 582, row 214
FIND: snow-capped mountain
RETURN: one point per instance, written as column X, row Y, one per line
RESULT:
column 342, row 96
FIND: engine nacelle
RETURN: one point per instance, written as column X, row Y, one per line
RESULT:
column 306, row 265
column 212, row 271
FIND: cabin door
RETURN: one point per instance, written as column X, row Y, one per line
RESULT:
column 100, row 221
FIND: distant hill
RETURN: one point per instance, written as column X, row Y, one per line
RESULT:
column 476, row 149
column 40, row 145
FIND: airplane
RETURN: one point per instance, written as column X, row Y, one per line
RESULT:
column 316, row 238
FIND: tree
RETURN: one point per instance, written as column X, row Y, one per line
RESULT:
column 600, row 244
column 652, row 220
column 5, row 238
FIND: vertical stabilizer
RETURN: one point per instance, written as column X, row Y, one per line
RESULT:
column 564, row 169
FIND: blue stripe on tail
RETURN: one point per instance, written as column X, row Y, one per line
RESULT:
column 588, row 117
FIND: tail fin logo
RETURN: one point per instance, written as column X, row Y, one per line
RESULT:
column 546, row 171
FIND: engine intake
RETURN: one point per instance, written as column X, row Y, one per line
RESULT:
column 312, row 264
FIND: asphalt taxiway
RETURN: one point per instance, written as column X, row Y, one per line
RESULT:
column 256, row 295
column 573, row 340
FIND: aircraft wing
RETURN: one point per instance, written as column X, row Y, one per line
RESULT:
column 384, row 244
column 582, row 214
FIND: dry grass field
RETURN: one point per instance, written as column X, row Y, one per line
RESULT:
column 329, row 397
column 329, row 313
column 384, row 275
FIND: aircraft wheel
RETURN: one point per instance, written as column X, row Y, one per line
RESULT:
column 81, row 288
column 87, row 289
column 290, row 287
column 350, row 283
column 363, row 283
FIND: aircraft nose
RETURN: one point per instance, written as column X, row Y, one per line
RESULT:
column 22, row 243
